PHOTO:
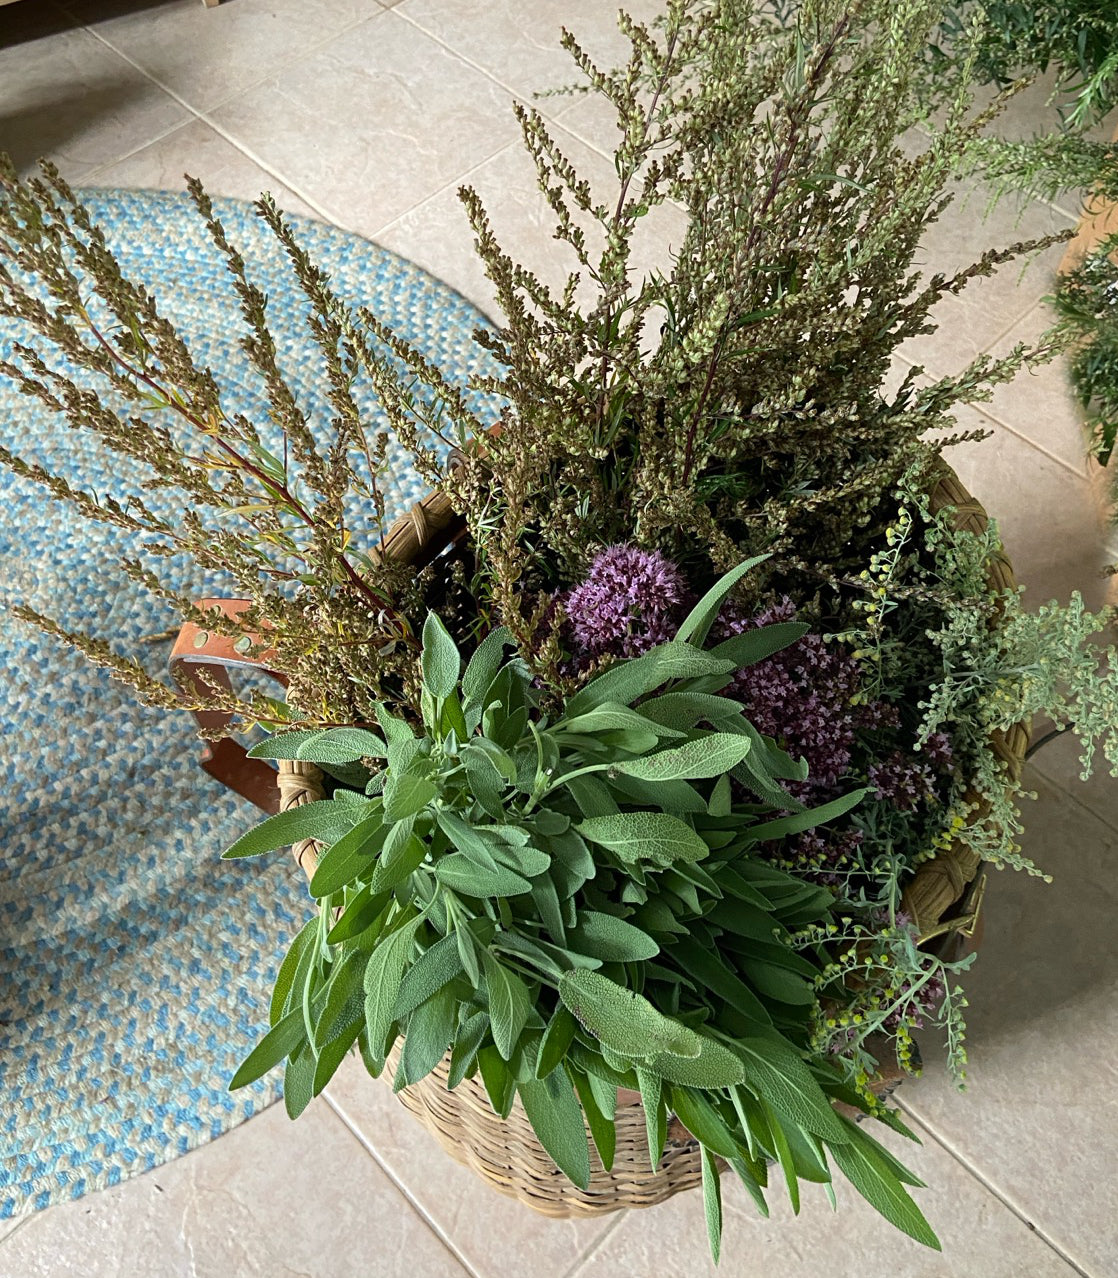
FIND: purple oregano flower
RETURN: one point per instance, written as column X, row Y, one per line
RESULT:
column 631, row 601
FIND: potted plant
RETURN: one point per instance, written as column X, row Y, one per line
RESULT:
column 644, row 773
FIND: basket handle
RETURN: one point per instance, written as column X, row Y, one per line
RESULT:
column 201, row 660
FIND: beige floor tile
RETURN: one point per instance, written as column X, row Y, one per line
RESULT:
column 518, row 44
column 1039, row 403
column 437, row 236
column 1049, row 521
column 495, row 1235
column 208, row 55
column 66, row 96
column 988, row 307
column 981, row 1238
column 271, row 1199
column 373, row 123
column 1037, row 1121
column 1060, row 762
column 197, row 149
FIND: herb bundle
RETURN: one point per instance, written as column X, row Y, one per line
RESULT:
column 627, row 791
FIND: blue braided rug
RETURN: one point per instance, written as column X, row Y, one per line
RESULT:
column 135, row 966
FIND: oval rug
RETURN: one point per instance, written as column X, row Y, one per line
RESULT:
column 135, row 965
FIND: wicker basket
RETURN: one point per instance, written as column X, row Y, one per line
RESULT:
column 943, row 900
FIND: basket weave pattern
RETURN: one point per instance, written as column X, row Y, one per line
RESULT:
column 506, row 1152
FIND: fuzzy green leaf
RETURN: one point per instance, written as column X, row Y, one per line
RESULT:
column 799, row 821
column 322, row 745
column 284, row 1038
column 623, row 1020
column 712, row 1204
column 510, row 1004
column 606, row 937
column 405, row 794
column 627, row 680
column 699, row 620
column 557, row 1038
column 556, row 1118
column 593, row 1093
column 322, row 820
column 433, row 969
column 755, row 645
column 879, row 1185
column 460, row 874
column 651, row 836
column 707, row 756
column 383, row 976
column 441, row 660
column 430, row 1031
column 715, row 1067
column 467, row 1042
column 482, row 667
column 777, row 1074
column 349, row 857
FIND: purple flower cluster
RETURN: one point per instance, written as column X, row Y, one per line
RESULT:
column 904, row 781
column 801, row 697
column 806, row 697
column 631, row 601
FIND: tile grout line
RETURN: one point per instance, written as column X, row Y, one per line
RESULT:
column 582, row 1261
column 1003, row 1198
column 419, row 1210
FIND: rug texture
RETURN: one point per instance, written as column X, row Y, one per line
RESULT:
column 135, row 965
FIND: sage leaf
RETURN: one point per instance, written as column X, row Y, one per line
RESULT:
column 606, row 937
column 612, row 716
column 628, row 680
column 401, row 857
column 777, row 1074
column 433, row 969
column 707, row 756
column 298, row 1082
column 715, row 1067
column 471, row 1034
column 599, row 1110
column 704, row 1122
column 556, row 1039
column 500, row 1084
column 405, row 794
column 482, row 667
column 429, row 1034
column 623, row 1020
column 363, row 910
column 652, row 836
column 556, row 1118
column 460, row 874
column 510, row 1004
column 335, row 746
column 348, row 858
column 441, row 661
column 712, row 1203
column 755, row 645
column 714, row 977
column 697, row 623
column 799, row 821
column 879, row 1185
column 285, row 1037
column 333, row 1053
column 383, row 976
column 322, row 820
column 655, row 1114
